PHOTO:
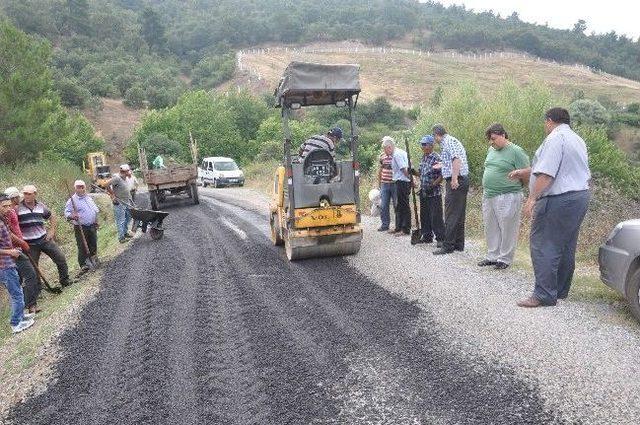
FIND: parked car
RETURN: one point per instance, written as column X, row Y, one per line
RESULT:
column 220, row 171
column 619, row 260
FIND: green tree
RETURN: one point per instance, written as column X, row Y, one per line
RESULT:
column 76, row 17
column 152, row 29
column 33, row 123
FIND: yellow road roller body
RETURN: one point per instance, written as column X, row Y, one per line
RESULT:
column 315, row 199
column 322, row 231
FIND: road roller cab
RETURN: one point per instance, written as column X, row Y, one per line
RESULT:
column 315, row 204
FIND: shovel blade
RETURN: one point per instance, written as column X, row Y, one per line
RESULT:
column 415, row 236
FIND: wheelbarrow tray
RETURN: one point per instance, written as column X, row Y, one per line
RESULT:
column 148, row 216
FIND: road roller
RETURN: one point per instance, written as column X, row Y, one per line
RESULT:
column 314, row 210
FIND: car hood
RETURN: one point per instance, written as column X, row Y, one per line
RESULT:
column 231, row 174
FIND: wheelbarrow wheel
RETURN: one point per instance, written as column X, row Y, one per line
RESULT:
column 156, row 234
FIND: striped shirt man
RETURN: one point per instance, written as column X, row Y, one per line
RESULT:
column 32, row 221
column 317, row 142
column 386, row 172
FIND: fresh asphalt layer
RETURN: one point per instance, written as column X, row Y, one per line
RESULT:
column 213, row 325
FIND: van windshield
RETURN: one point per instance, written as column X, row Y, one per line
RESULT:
column 225, row 166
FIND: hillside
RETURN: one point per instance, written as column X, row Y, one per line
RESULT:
column 114, row 123
column 409, row 77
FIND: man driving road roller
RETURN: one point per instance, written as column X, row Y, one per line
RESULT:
column 324, row 142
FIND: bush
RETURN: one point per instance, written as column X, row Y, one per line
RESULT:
column 588, row 111
column 135, row 97
column 466, row 115
column 72, row 94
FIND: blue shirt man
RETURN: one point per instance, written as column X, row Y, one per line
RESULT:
column 431, row 220
column 429, row 176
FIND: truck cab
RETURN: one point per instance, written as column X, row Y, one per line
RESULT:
column 220, row 171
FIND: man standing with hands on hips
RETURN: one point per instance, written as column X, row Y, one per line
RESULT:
column 558, row 200
column 455, row 171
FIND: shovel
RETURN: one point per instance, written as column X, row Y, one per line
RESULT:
column 90, row 262
column 47, row 287
column 415, row 233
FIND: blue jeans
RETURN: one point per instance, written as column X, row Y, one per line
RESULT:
column 388, row 194
column 9, row 277
column 553, row 241
column 123, row 217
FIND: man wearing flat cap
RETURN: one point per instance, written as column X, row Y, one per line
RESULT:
column 82, row 212
column 431, row 220
column 120, row 193
column 33, row 216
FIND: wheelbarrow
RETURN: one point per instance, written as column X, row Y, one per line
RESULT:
column 149, row 219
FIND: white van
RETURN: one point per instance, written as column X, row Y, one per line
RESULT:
column 220, row 171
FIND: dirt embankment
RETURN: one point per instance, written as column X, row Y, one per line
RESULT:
column 115, row 123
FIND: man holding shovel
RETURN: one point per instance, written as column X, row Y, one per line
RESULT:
column 120, row 194
column 82, row 212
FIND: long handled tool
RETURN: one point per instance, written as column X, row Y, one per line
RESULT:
column 101, row 190
column 47, row 287
column 89, row 261
column 415, row 233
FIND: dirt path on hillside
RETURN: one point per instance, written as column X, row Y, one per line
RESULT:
column 213, row 325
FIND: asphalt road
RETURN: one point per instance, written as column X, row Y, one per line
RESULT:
column 212, row 325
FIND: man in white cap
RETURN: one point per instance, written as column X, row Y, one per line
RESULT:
column 121, row 197
column 33, row 216
column 82, row 212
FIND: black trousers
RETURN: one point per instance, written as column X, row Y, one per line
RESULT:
column 431, row 220
column 53, row 251
column 91, row 235
column 455, row 213
column 30, row 281
column 403, row 215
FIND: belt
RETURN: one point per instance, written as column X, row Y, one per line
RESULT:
column 563, row 193
column 459, row 177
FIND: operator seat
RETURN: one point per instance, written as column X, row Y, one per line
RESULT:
column 319, row 167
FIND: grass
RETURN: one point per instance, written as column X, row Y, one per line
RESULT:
column 407, row 79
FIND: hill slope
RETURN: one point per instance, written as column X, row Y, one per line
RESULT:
column 407, row 77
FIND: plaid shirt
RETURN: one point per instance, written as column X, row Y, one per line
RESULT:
column 451, row 148
column 6, row 262
column 428, row 175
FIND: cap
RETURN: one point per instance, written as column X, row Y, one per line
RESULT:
column 125, row 167
column 427, row 140
column 79, row 183
column 12, row 192
column 335, row 132
column 388, row 141
column 29, row 189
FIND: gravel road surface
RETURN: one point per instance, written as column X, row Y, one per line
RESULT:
column 212, row 325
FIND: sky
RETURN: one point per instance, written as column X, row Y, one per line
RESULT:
column 601, row 16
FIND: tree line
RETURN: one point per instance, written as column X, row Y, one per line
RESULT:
column 150, row 52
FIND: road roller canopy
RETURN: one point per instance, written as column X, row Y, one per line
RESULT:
column 310, row 84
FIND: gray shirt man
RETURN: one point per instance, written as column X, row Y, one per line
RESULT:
column 120, row 188
column 563, row 156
